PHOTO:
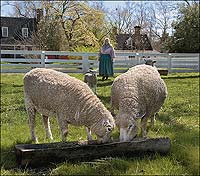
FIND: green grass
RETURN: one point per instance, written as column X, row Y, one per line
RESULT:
column 179, row 120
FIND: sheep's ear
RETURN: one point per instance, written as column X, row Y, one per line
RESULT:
column 154, row 61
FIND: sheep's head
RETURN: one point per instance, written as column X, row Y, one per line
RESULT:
column 93, row 72
column 128, row 127
column 150, row 62
column 103, row 130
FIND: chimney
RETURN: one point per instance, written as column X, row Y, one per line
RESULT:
column 114, row 30
column 39, row 14
column 137, row 30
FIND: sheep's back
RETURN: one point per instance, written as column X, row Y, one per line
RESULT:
column 49, row 89
column 142, row 86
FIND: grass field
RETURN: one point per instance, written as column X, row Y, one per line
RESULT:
column 179, row 120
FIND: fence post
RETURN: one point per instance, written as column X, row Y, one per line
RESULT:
column 85, row 66
column 137, row 58
column 43, row 59
column 169, row 61
column 198, row 63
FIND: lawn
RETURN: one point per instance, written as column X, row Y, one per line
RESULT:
column 178, row 119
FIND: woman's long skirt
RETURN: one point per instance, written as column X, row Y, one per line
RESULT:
column 105, row 65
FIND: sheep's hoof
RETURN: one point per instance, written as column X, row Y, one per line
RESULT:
column 35, row 140
column 49, row 138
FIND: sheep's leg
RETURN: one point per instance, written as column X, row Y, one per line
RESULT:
column 112, row 110
column 144, row 126
column 95, row 89
column 88, row 84
column 89, row 135
column 31, row 113
column 63, row 127
column 47, row 127
column 152, row 120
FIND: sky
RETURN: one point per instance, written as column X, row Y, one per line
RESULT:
column 6, row 10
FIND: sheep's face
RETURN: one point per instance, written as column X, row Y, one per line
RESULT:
column 104, row 132
column 150, row 62
column 93, row 72
column 128, row 127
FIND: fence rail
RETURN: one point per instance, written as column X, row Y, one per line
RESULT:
column 80, row 62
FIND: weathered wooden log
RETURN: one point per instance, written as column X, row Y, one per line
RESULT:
column 37, row 155
column 163, row 72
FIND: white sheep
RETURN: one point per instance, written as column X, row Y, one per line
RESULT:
column 138, row 93
column 53, row 93
column 90, row 78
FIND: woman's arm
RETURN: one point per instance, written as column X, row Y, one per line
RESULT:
column 112, row 53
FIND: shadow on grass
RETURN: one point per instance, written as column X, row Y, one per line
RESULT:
column 103, row 166
column 182, row 133
column 104, row 98
column 12, row 85
column 17, row 85
column 184, row 140
column 104, row 83
column 8, row 156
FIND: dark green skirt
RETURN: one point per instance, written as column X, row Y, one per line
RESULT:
column 105, row 65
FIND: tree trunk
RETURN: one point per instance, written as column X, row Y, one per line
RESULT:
column 38, row 155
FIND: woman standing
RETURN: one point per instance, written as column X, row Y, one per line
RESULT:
column 106, row 56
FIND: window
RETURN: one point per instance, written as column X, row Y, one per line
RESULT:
column 4, row 31
column 25, row 32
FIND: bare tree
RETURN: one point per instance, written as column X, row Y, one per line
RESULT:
column 162, row 14
column 122, row 18
column 140, row 14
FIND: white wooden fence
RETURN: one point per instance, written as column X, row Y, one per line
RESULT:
column 80, row 62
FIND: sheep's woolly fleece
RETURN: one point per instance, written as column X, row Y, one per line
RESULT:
column 54, row 93
column 139, row 91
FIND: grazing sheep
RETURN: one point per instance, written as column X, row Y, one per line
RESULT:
column 138, row 93
column 53, row 93
column 90, row 78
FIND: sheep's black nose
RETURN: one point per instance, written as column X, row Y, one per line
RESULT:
column 109, row 129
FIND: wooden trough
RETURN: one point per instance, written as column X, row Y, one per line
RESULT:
column 39, row 155
column 163, row 72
